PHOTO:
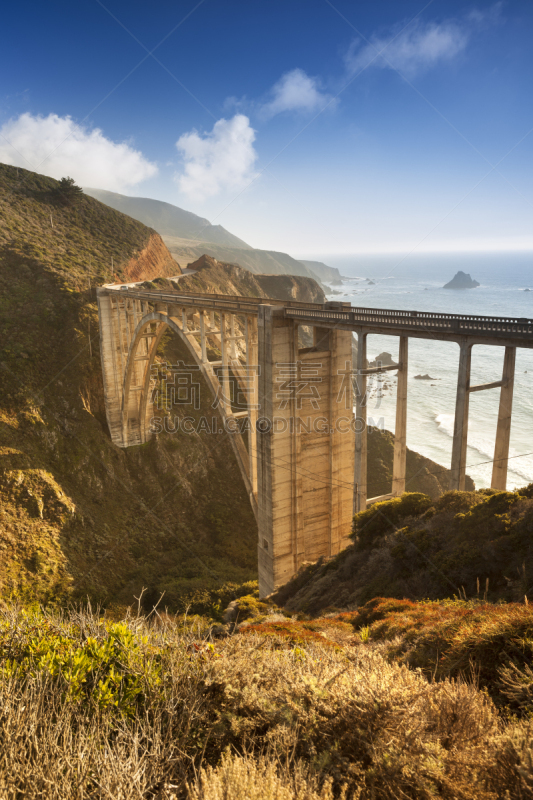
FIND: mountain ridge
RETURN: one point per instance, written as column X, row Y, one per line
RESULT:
column 189, row 236
column 166, row 218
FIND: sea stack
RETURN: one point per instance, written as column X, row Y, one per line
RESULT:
column 461, row 281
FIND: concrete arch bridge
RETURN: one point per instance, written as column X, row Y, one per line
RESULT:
column 301, row 450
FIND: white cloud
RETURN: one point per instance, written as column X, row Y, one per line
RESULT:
column 296, row 91
column 417, row 47
column 58, row 147
column 218, row 161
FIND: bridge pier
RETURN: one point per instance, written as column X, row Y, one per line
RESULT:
column 503, row 430
column 460, row 425
column 400, row 430
column 305, row 446
column 361, row 442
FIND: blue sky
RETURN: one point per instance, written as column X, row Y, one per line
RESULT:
column 307, row 126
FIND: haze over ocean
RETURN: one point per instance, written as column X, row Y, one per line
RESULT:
column 416, row 283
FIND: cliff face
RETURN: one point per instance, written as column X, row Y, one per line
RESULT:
column 153, row 261
column 422, row 474
column 293, row 287
column 324, row 272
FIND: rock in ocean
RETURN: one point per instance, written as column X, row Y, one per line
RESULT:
column 461, row 281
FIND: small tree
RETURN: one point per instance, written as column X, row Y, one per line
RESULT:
column 67, row 192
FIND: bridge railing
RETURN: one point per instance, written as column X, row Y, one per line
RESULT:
column 417, row 321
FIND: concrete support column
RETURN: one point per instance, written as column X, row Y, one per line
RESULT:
column 342, row 440
column 503, row 431
column 305, row 446
column 203, row 343
column 233, row 347
column 225, row 382
column 269, row 350
column 360, row 465
column 400, row 432
column 252, row 378
column 460, row 427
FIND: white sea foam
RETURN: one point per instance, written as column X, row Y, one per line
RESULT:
column 445, row 423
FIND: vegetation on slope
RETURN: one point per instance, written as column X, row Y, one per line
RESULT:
column 491, row 644
column 152, row 709
column 73, row 243
column 414, row 547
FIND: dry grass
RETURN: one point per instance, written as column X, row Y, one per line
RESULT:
column 246, row 778
column 246, row 717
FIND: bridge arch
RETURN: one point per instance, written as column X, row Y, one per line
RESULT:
column 134, row 331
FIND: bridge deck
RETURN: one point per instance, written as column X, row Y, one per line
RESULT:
column 419, row 324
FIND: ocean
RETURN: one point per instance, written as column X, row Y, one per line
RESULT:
column 415, row 283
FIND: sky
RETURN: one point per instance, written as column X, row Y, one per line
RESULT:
column 305, row 126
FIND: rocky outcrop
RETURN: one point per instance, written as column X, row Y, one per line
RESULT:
column 461, row 280
column 291, row 287
column 383, row 360
column 213, row 276
column 204, row 262
column 153, row 261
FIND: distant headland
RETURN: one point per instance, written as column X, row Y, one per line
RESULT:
column 461, row 281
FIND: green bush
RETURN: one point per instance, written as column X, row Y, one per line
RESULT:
column 109, row 668
column 380, row 518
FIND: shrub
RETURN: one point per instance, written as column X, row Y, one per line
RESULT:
column 300, row 722
column 109, row 668
column 238, row 778
column 380, row 518
column 456, row 638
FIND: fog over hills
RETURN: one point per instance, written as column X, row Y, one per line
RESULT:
column 189, row 236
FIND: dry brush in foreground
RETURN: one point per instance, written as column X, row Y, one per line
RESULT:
column 91, row 708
